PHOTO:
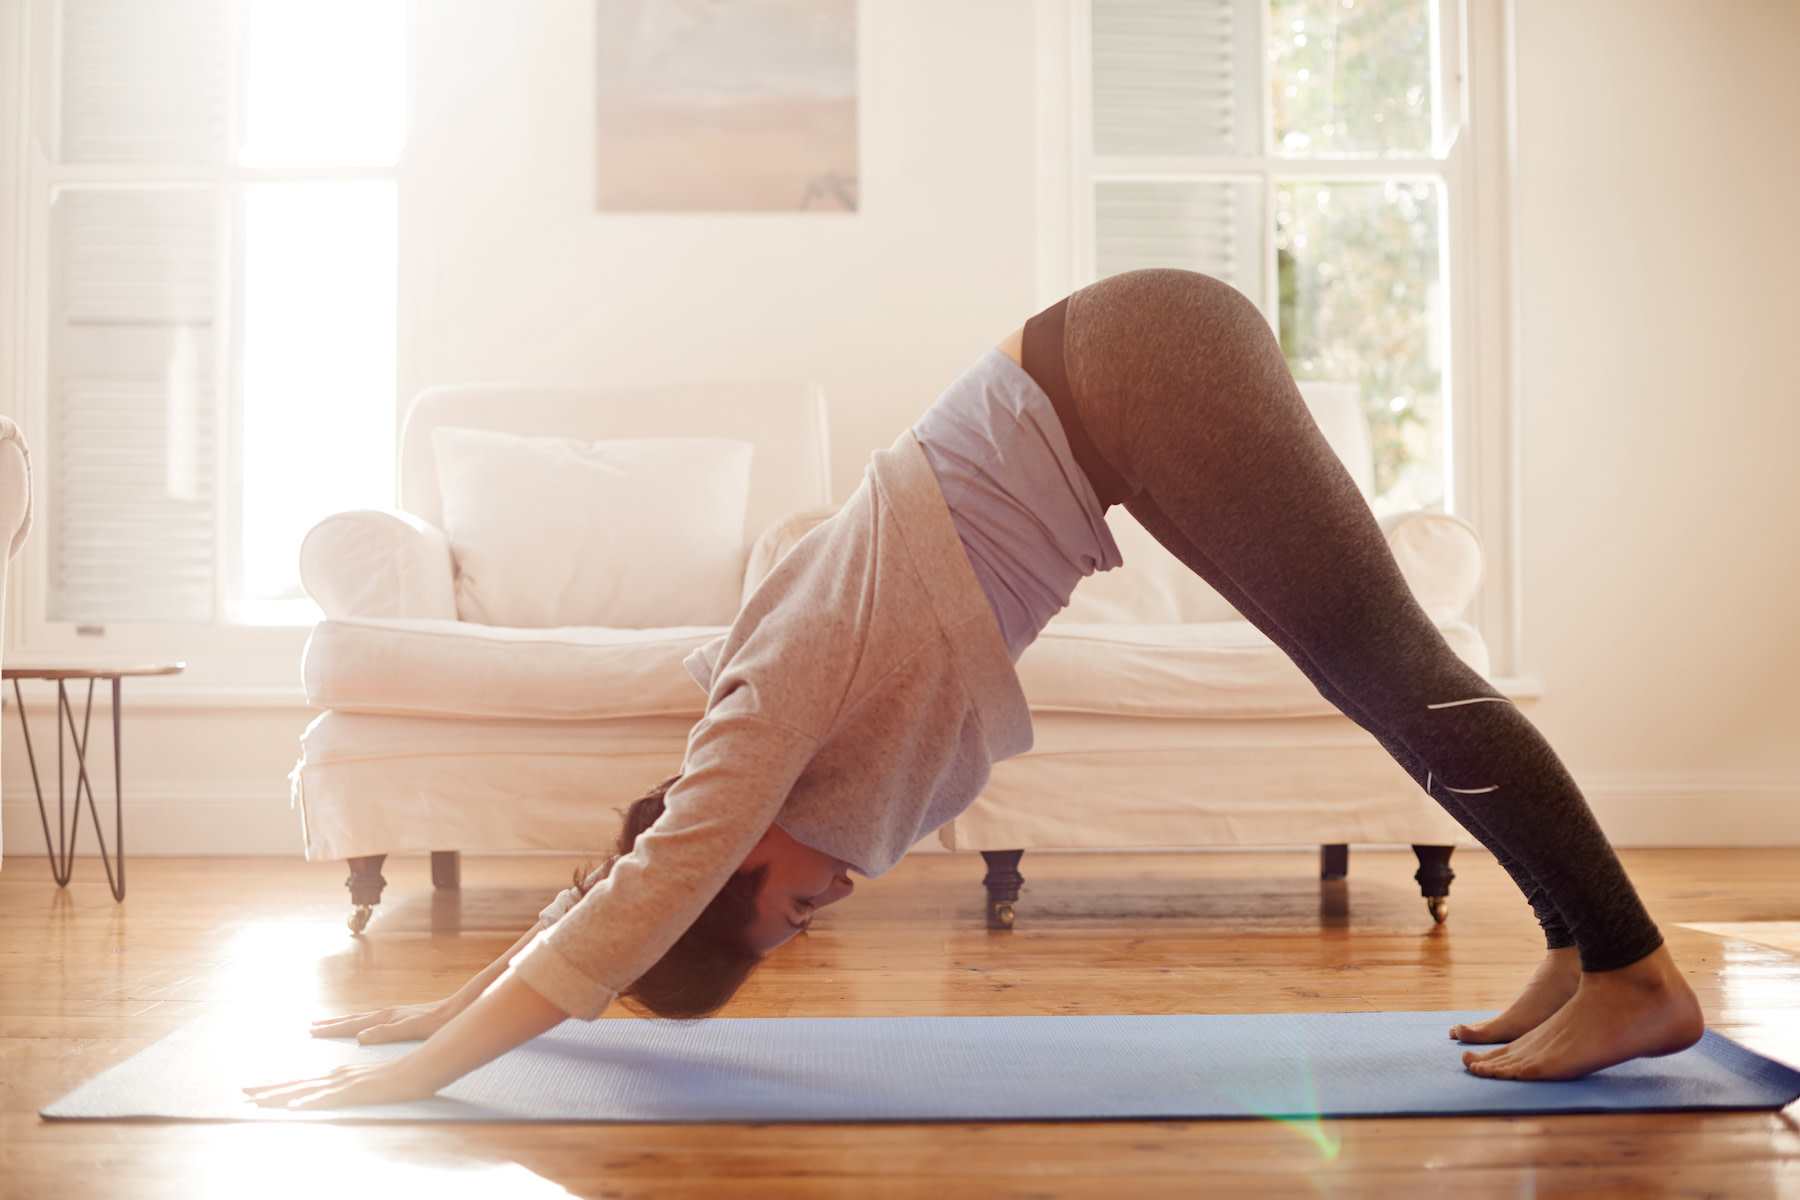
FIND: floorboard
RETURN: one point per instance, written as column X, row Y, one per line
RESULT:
column 85, row 982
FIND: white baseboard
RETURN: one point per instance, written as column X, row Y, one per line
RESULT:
column 165, row 823
column 1695, row 810
column 255, row 818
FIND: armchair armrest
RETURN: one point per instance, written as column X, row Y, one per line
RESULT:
column 15, row 490
column 1440, row 556
column 373, row 563
column 774, row 542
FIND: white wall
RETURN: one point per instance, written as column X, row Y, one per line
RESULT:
column 1661, row 513
column 1661, row 407
column 524, row 280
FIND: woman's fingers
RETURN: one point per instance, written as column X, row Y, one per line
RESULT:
column 349, row 1025
column 357, row 1083
column 393, row 1031
column 278, row 1094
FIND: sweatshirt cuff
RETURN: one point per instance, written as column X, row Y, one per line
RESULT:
column 559, row 981
column 558, row 907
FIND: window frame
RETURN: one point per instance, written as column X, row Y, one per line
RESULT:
column 228, row 663
column 1478, row 248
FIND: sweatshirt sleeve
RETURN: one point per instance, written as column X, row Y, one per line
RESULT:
column 740, row 768
column 703, row 663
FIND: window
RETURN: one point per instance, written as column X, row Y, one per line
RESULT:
column 220, row 197
column 1309, row 153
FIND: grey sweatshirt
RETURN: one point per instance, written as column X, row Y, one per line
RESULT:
column 859, row 699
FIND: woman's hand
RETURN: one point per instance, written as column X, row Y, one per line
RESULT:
column 415, row 1022
column 397, row 1023
column 362, row 1083
column 508, row 1014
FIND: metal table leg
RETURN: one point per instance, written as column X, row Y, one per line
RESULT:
column 61, row 849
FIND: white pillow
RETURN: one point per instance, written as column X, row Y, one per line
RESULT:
column 1152, row 588
column 638, row 533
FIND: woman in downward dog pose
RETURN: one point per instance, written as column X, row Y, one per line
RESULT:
column 866, row 688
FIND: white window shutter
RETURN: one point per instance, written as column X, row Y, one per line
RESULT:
column 1176, row 77
column 1210, row 226
column 144, row 81
column 134, row 277
column 1172, row 79
column 131, row 465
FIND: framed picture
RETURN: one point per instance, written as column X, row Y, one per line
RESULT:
column 726, row 106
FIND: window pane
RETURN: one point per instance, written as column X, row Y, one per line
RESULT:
column 1361, row 303
column 1351, row 77
column 1213, row 227
column 130, row 462
column 1176, row 77
column 319, row 329
column 325, row 83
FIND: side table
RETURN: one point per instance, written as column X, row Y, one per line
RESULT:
column 62, row 850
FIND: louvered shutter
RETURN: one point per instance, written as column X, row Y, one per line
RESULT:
column 1214, row 227
column 131, row 478
column 134, row 276
column 144, row 81
column 1178, row 78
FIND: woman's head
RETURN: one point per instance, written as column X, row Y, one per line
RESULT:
column 797, row 881
column 765, row 902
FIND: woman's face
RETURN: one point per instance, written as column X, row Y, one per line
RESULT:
column 800, row 881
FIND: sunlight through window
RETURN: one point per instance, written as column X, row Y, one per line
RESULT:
column 324, row 88
column 324, row 83
column 319, row 266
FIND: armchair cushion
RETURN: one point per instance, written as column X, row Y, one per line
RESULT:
column 633, row 533
column 371, row 563
column 1440, row 555
column 1152, row 588
column 1209, row 669
column 460, row 669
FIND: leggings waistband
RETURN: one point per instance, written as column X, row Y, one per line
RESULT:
column 1043, row 355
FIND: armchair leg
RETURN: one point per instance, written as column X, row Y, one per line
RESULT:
column 1334, row 861
column 1434, row 876
column 1002, row 882
column 365, row 884
column 446, row 870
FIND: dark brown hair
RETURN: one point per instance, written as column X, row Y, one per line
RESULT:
column 712, row 959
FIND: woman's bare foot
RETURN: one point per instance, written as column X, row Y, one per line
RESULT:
column 1640, row 1011
column 1549, row 989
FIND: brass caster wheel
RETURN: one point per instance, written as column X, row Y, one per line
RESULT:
column 1439, row 906
column 359, row 920
column 1000, row 916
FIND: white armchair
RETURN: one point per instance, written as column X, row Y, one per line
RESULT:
column 1163, row 719
column 445, row 733
column 15, row 499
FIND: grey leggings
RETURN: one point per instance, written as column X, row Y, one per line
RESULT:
column 1178, row 404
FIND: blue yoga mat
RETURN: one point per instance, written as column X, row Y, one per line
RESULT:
column 1396, row 1064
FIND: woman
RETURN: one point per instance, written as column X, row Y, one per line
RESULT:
column 866, row 688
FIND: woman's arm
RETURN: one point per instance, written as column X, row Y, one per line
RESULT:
column 415, row 1022
column 508, row 1014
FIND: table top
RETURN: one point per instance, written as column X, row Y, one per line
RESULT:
column 102, row 672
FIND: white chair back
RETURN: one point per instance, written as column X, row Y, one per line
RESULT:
column 785, row 421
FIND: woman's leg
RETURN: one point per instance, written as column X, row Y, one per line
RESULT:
column 1166, row 531
column 1184, row 393
column 1556, row 979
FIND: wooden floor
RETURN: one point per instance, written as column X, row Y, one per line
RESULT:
column 85, row 982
